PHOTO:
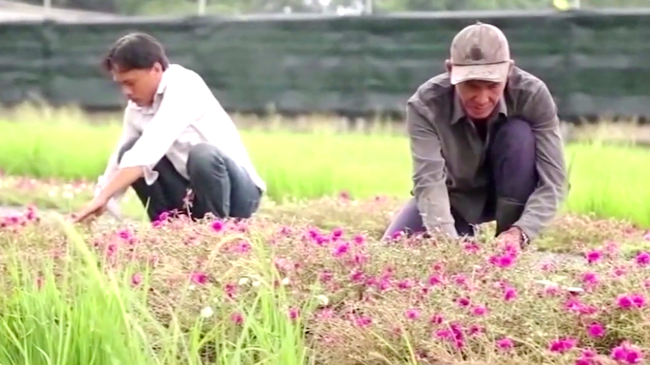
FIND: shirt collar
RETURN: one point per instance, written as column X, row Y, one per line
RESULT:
column 162, row 85
column 458, row 113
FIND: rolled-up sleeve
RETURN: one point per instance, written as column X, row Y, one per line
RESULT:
column 429, row 188
column 543, row 204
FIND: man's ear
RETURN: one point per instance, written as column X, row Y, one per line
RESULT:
column 512, row 65
column 448, row 65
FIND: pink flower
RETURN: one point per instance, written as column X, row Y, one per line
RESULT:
column 590, row 278
column 509, row 294
column 505, row 344
column 359, row 239
column 337, row 233
column 412, row 314
column 294, row 313
column 200, row 278
column 593, row 256
column 341, row 249
column 463, row 302
column 405, row 284
column 503, row 261
column 479, row 310
column 437, row 319
column 435, row 280
column 628, row 301
column 136, row 279
column 643, row 258
column 627, row 353
column 562, row 345
column 237, row 318
column 472, row 247
column 596, row 330
column 363, row 321
column 217, row 226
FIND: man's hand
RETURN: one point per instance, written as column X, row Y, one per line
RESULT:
column 93, row 209
column 514, row 235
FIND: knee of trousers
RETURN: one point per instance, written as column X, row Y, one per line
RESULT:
column 513, row 154
column 205, row 158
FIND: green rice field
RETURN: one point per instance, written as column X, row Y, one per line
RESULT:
column 610, row 181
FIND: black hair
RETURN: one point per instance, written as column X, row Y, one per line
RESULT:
column 135, row 51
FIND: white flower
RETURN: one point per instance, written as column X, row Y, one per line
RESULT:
column 286, row 281
column 52, row 193
column 192, row 287
column 68, row 195
column 256, row 284
column 244, row 281
column 207, row 312
column 322, row 300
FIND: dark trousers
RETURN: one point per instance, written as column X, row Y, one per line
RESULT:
column 513, row 178
column 219, row 186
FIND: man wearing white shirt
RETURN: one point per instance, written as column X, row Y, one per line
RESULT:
column 175, row 137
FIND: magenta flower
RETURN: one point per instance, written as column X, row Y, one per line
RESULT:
column 412, row 314
column 629, row 301
column 294, row 313
column 217, row 226
column 136, row 279
column 596, row 330
column 627, row 353
column 593, row 256
column 562, row 345
column 463, row 302
column 200, row 278
column 505, row 344
column 509, row 294
column 359, row 239
column 362, row 321
column 237, row 318
column 125, row 234
column 337, row 233
column 437, row 319
column 479, row 310
column 435, row 280
column 472, row 247
column 643, row 258
column 405, row 284
column 341, row 249
column 502, row 261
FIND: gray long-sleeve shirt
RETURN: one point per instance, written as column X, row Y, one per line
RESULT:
column 447, row 161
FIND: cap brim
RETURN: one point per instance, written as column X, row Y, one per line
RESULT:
column 493, row 73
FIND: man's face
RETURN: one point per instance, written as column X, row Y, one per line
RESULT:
column 479, row 98
column 139, row 86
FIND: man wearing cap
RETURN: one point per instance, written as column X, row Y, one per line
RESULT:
column 485, row 145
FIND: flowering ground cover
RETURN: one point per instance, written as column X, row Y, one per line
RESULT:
column 280, row 289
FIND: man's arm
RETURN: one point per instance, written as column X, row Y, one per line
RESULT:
column 177, row 110
column 429, row 189
column 128, row 133
column 543, row 204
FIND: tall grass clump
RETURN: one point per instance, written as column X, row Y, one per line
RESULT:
column 67, row 302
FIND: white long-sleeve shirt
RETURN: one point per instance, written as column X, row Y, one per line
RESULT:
column 184, row 113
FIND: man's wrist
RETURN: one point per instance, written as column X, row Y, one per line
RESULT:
column 524, row 239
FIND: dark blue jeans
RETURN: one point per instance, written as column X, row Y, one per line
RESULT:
column 219, row 185
column 513, row 178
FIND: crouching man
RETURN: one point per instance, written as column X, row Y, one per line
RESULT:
column 485, row 144
column 175, row 137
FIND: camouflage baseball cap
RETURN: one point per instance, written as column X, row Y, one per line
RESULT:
column 480, row 52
